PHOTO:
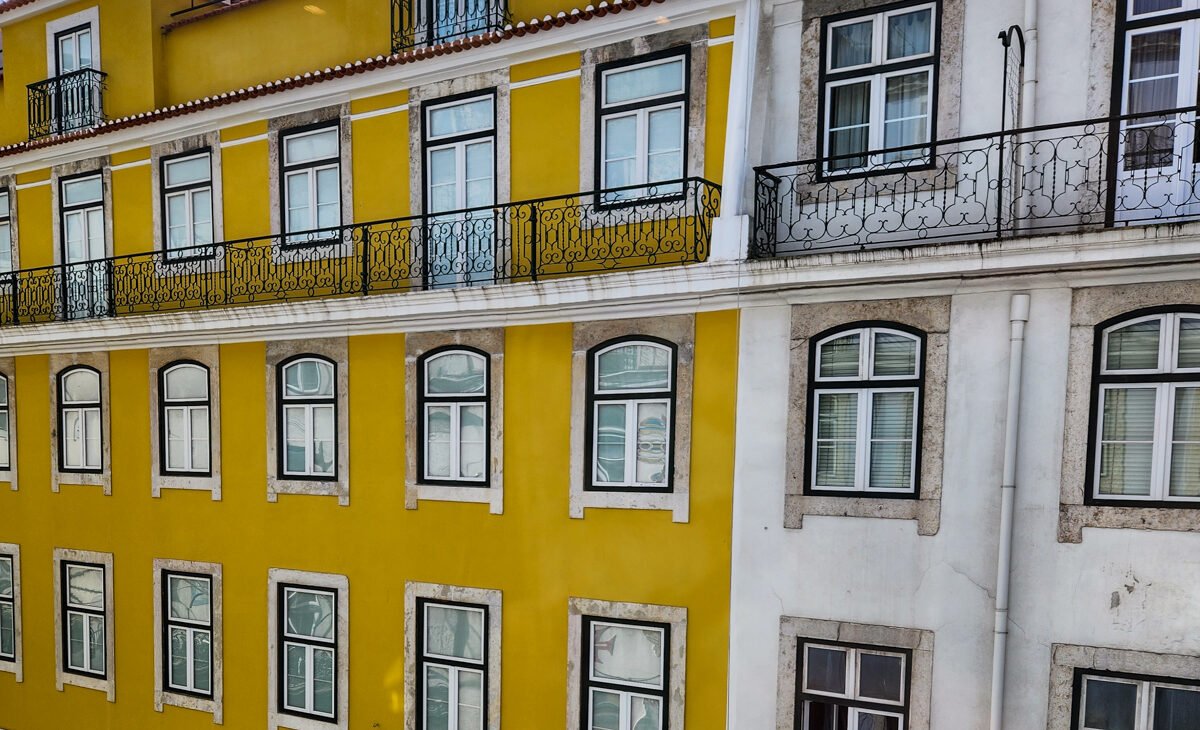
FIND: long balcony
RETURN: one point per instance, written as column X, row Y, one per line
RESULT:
column 419, row 23
column 1100, row 173
column 66, row 103
column 529, row 241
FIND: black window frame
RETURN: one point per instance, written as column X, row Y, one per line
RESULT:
column 586, row 683
column 824, row 76
column 163, row 464
column 427, row 106
column 64, row 208
column 6, row 410
column 198, row 251
column 6, row 220
column 281, row 421
column 1098, row 381
column 603, row 201
column 58, row 72
column 1080, row 674
column 423, row 399
column 802, row 696
column 591, row 397
column 64, row 592
column 60, row 407
column 422, row 660
column 168, row 623
column 282, row 640
column 316, row 236
column 11, row 602
column 813, row 385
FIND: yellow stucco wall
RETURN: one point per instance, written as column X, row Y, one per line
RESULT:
column 533, row 552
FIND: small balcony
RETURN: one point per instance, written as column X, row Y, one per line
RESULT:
column 529, row 241
column 1116, row 171
column 66, row 103
column 420, row 23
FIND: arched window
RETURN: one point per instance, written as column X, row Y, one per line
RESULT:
column 80, row 438
column 631, row 409
column 308, row 423
column 864, row 403
column 1146, row 401
column 454, row 417
column 5, row 454
column 184, row 418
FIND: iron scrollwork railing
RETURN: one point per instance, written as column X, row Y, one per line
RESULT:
column 418, row 23
column 533, row 240
column 1112, row 171
column 66, row 103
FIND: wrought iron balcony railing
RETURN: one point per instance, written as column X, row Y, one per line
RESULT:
column 417, row 23
column 533, row 240
column 1114, row 171
column 66, row 103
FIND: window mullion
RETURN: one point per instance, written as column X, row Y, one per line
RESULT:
column 455, row 441
column 310, row 438
column 631, row 409
column 189, row 634
column 1159, row 469
column 877, row 104
column 862, row 451
column 641, row 165
column 452, row 711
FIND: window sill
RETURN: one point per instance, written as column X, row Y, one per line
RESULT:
column 926, row 512
column 188, row 702
column 14, row 667
column 83, row 479
column 161, row 482
column 1072, row 518
column 674, row 502
column 493, row 496
column 317, row 488
column 108, row 686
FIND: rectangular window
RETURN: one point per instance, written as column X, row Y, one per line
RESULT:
column 625, row 676
column 81, row 429
column 311, row 184
column 308, row 651
column 5, row 424
column 878, row 79
column 73, row 49
column 187, row 633
column 308, row 410
column 452, row 665
column 184, row 418
column 82, row 230
column 8, row 608
column 6, row 252
column 187, row 208
column 454, row 407
column 845, row 687
column 84, row 606
column 1125, row 702
column 642, row 127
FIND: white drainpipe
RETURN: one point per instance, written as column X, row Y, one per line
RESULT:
column 1018, row 316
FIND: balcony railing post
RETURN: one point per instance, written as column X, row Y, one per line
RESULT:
column 110, row 289
column 534, row 257
column 366, row 260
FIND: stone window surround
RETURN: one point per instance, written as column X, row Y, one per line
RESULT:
column 1090, row 307
column 276, row 718
column 930, row 315
column 162, row 695
column 8, row 369
column 101, row 165
column 211, row 143
column 416, row 344
column 99, row 362
column 108, row 685
column 17, row 666
column 209, row 357
column 89, row 16
column 674, row 616
column 493, row 599
column 696, row 38
column 917, row 641
column 337, row 350
column 678, row 329
column 1069, row 662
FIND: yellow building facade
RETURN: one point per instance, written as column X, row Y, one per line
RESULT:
column 323, row 406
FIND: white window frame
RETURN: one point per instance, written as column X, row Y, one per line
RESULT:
column 15, row 663
column 310, row 170
column 308, row 406
column 6, row 456
column 188, row 192
column 1185, row 6
column 81, row 409
column 455, row 402
column 878, row 82
column 649, row 396
column 311, row 645
column 187, row 408
column 164, row 692
column 1145, row 696
column 626, row 691
column 642, row 110
column 7, row 252
column 886, row 708
column 865, row 403
column 106, row 681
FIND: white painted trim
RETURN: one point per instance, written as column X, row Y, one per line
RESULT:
column 379, row 112
column 90, row 16
column 720, row 40
column 38, row 184
column 34, row 8
column 130, row 165
column 245, row 140
column 549, row 78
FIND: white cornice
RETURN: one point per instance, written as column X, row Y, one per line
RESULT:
column 27, row 11
column 1163, row 253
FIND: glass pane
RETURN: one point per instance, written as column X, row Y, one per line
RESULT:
column 895, row 355
column 1128, row 418
column 310, row 614
column 470, row 700
column 179, row 658
column 324, row 446
column 464, row 118
column 85, row 48
column 96, row 642
column 81, row 386
column 1185, row 446
column 202, row 661
column 312, row 146
column 190, row 170
column 620, row 137
column 4, row 448
column 666, row 131
column 473, row 440
column 1109, row 705
column 1189, row 342
column 453, row 632
column 1141, row 7
column 72, row 435
column 610, row 443
column 839, row 357
column 308, row 379
column 199, row 444
column 190, row 598
column 85, row 587
column 438, row 441
column 850, row 44
column 1134, row 346
column 825, row 670
column 202, row 216
column 177, row 221
column 7, row 639
column 837, row 418
column 480, row 185
column 91, row 426
column 653, row 429
column 909, row 34
column 827, row 716
column 297, row 677
column 6, row 577
column 5, row 247
column 646, row 713
column 455, row 373
column 75, row 641
column 328, row 198
column 892, row 415
column 85, row 190
column 296, row 439
column 187, row 382
column 892, row 435
column 1176, row 709
column 634, row 367
column 658, row 79
column 4, row 208
column 906, row 112
column 323, row 670
column 873, row 721
column 632, row 654
column 880, row 677
column 437, row 698
column 606, row 710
